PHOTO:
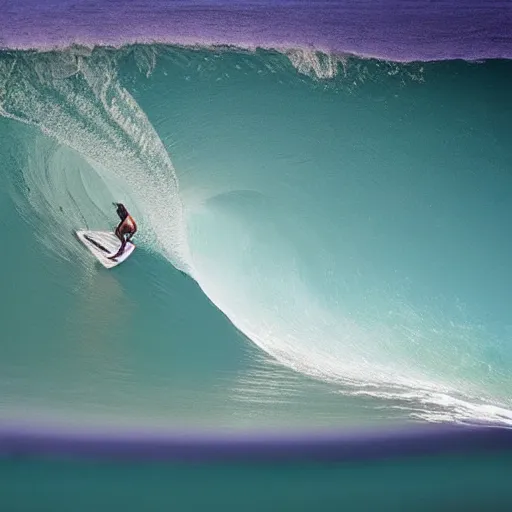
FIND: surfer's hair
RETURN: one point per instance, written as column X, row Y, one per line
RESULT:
column 122, row 211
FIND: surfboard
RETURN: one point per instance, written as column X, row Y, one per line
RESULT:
column 103, row 244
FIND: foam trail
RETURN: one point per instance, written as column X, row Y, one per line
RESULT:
column 251, row 272
column 309, row 340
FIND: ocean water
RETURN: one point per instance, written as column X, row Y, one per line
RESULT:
column 402, row 30
column 323, row 239
column 318, row 310
column 429, row 483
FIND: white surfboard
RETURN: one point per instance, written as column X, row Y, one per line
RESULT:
column 104, row 244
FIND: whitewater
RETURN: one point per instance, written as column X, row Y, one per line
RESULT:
column 347, row 215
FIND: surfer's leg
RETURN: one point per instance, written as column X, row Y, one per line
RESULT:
column 121, row 249
column 119, row 234
column 123, row 245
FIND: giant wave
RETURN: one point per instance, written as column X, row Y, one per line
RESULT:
column 233, row 235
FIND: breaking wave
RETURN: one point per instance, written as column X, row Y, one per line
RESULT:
column 98, row 146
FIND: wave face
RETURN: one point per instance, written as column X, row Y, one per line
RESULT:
column 349, row 216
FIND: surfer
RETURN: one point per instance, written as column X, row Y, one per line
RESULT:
column 127, row 226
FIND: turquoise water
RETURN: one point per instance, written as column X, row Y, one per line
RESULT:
column 473, row 481
column 323, row 241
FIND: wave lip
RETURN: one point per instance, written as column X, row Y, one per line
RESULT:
column 401, row 31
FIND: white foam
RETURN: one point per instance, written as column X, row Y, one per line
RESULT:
column 257, row 285
column 315, row 63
